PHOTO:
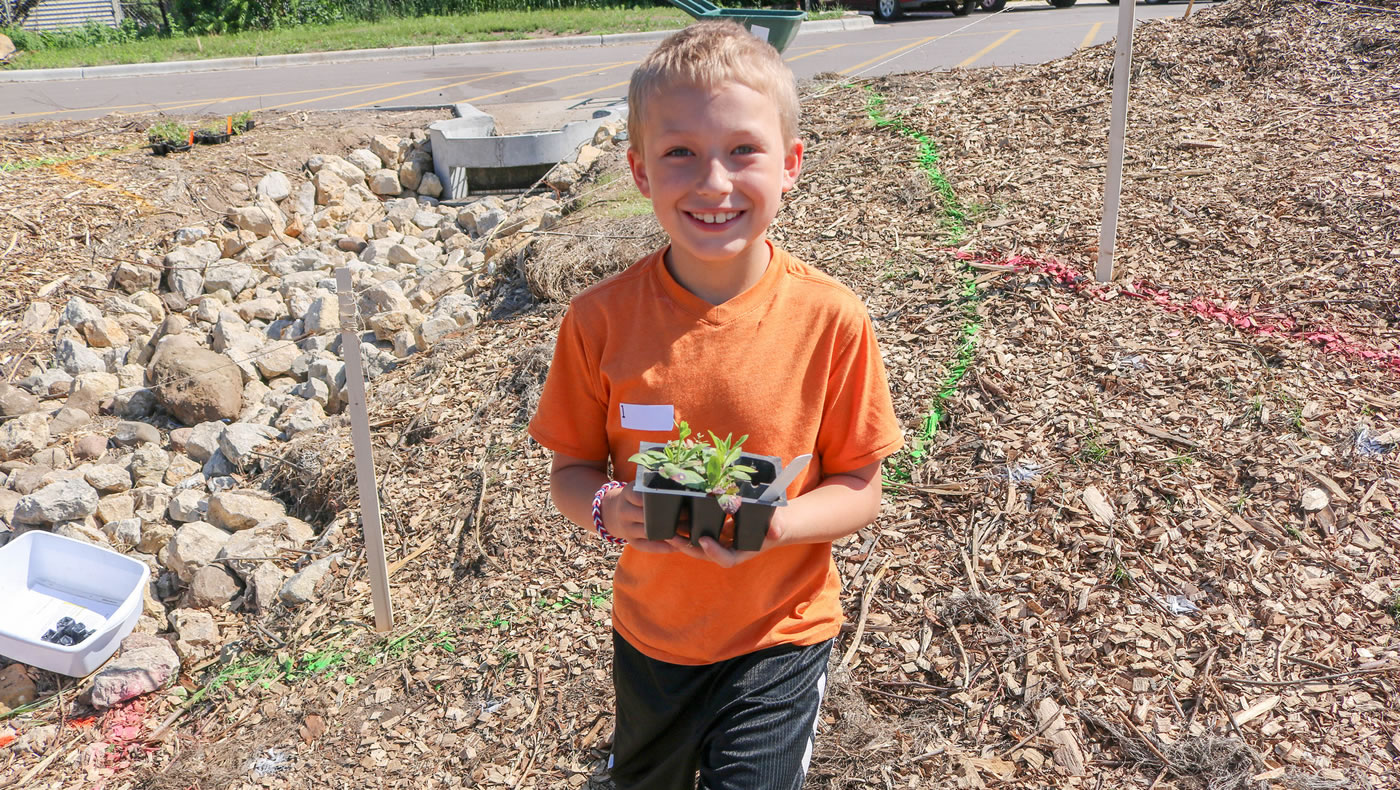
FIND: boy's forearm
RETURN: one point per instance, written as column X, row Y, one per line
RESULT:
column 572, row 489
column 841, row 505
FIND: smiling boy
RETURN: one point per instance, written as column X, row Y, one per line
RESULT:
column 720, row 656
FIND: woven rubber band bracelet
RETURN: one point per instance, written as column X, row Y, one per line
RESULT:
column 598, row 514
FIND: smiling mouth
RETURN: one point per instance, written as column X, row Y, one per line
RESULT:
column 714, row 217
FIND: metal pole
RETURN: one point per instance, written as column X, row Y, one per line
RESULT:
column 1113, row 186
column 364, row 454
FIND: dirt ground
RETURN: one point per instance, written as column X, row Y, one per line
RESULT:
column 1145, row 534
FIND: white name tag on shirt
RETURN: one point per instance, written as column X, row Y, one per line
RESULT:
column 639, row 417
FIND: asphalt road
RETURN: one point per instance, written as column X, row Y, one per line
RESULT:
column 1026, row 32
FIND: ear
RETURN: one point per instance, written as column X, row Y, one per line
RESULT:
column 639, row 172
column 792, row 164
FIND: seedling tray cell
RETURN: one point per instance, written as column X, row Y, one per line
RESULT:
column 45, row 577
column 666, row 502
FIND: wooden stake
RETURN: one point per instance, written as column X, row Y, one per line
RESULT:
column 1113, row 186
column 364, row 455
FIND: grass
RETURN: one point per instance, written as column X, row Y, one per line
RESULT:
column 1394, row 608
column 391, row 32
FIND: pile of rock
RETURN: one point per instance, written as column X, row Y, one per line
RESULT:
column 161, row 400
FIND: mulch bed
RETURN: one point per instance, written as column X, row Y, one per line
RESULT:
column 1145, row 542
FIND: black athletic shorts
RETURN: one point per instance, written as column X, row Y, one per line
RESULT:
column 743, row 724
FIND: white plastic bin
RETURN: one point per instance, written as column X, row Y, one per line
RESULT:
column 44, row 577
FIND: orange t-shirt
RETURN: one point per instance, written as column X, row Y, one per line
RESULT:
column 792, row 363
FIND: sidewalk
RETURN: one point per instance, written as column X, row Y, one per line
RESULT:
column 861, row 22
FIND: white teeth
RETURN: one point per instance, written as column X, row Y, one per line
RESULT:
column 712, row 219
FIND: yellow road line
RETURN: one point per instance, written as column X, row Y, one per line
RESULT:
column 150, row 107
column 884, row 55
column 336, row 95
column 547, row 82
column 593, row 69
column 594, row 91
column 1093, row 32
column 988, row 48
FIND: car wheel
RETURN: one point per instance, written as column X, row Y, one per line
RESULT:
column 1113, row 2
column 991, row 6
column 964, row 8
column 888, row 9
column 1062, row 3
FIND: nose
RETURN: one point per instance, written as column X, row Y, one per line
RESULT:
column 715, row 178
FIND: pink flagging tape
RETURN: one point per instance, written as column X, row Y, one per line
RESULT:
column 1259, row 323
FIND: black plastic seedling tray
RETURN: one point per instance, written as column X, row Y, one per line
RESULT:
column 666, row 502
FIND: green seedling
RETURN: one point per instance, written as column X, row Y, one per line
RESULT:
column 1393, row 609
column 712, row 467
column 169, row 132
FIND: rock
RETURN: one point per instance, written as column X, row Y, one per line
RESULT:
column 197, row 634
column 430, row 185
column 85, row 531
column 23, row 436
column 90, row 447
column 52, row 457
column 146, row 664
column 148, row 465
column 78, row 312
column 203, row 440
column 239, row 441
column 322, row 316
column 230, row 276
column 47, row 382
column 307, row 415
column 213, row 586
column 124, row 532
column 563, row 177
column 91, row 390
column 234, row 242
column 131, row 375
column 37, row 741
column 195, row 384
column 131, row 434
column 56, row 502
column 150, row 304
column 1315, row 499
column 179, row 438
column 274, row 186
column 276, row 359
column 188, row 505
column 587, row 156
column 116, row 507
column 29, row 479
column 76, row 358
column 16, row 688
column 330, row 188
column 435, row 329
column 191, row 235
column 195, row 545
column 266, row 582
column 181, row 468
column 320, row 163
column 36, row 317
column 103, row 332
column 301, row 588
column 364, row 159
column 15, row 401
column 303, row 200
column 490, row 220
column 267, row 539
column 412, row 170
column 384, row 182
column 383, row 298
column 8, row 500
column 387, row 149
column 243, row 508
column 218, row 466
column 133, row 277
column 67, row 420
column 134, row 403
column 264, row 308
column 108, row 478
column 155, row 537
column 262, row 219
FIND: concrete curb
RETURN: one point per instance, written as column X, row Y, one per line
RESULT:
column 385, row 53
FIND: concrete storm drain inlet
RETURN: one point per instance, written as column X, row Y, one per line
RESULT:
column 513, row 146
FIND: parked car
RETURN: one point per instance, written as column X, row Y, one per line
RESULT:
column 891, row 9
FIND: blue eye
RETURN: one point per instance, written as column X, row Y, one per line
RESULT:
column 678, row 152
column 745, row 149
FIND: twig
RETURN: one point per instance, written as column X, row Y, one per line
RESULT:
column 36, row 770
column 1234, row 681
column 864, row 613
column 1045, row 725
column 1146, row 741
column 1358, row 5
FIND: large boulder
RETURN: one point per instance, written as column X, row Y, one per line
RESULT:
column 146, row 664
column 195, row 384
column 68, row 500
column 24, row 436
column 243, row 508
column 15, row 401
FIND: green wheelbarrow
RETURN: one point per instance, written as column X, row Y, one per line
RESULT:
column 778, row 28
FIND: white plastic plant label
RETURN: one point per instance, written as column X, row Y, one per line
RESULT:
column 640, row 417
column 760, row 31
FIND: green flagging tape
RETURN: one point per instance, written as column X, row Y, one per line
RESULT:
column 954, row 223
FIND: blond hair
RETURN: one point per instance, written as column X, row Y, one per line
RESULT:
column 707, row 54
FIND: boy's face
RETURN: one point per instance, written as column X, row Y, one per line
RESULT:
column 715, row 165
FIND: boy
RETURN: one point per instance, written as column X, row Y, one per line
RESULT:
column 720, row 656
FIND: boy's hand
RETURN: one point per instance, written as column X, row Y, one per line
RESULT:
column 624, row 517
column 711, row 550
